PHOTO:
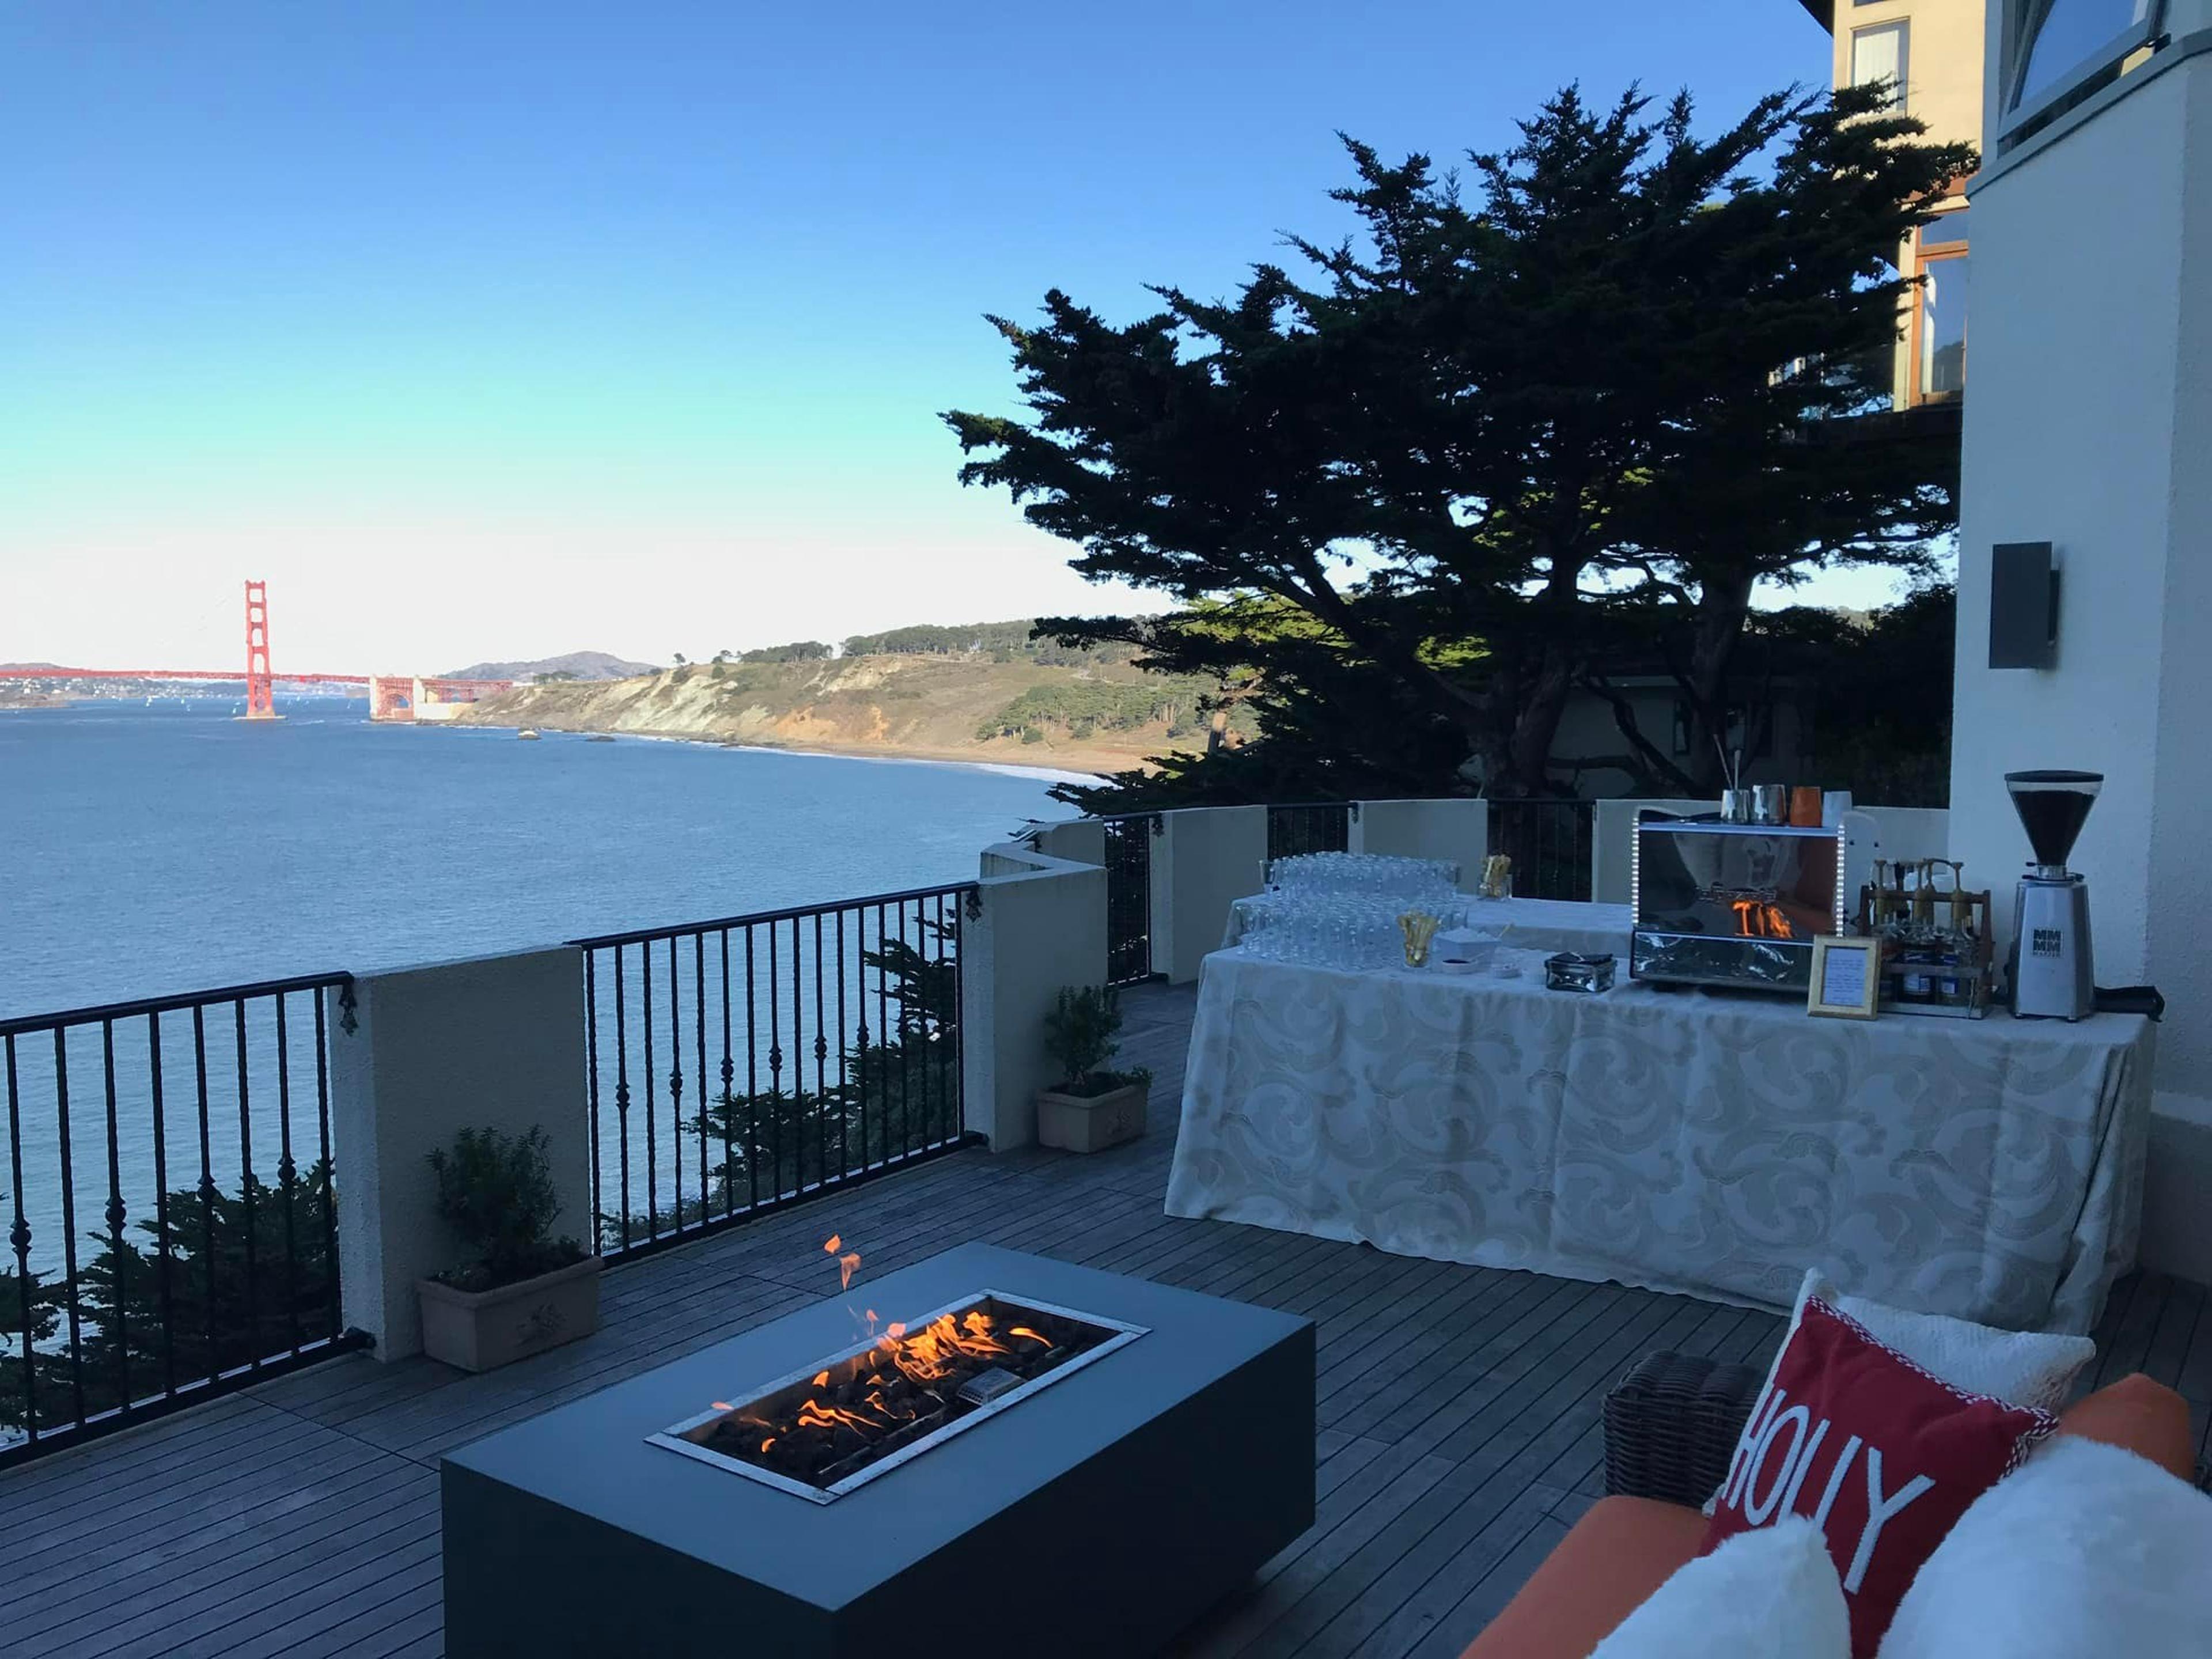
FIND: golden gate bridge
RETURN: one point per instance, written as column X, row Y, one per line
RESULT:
column 391, row 697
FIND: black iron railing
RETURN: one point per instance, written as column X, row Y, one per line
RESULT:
column 741, row 1065
column 155, row 1261
column 1129, row 896
column 1309, row 827
column 1549, row 843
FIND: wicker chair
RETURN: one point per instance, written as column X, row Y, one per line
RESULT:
column 1671, row 1425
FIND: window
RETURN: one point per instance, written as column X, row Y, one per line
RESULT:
column 1945, row 229
column 2068, row 33
column 2066, row 49
column 1878, row 54
column 1943, row 327
column 1939, row 320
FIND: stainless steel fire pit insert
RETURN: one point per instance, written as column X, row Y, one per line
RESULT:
column 677, row 1437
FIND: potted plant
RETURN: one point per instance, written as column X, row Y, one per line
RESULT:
column 1092, row 1107
column 524, row 1290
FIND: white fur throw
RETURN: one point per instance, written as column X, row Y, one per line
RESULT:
column 1768, row 1593
column 2087, row 1551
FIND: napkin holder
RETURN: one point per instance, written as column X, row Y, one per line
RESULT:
column 1464, row 950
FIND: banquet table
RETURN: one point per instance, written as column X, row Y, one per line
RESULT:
column 1525, row 923
column 1712, row 1144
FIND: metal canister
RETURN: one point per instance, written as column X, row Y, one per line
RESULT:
column 1735, row 806
column 1770, row 803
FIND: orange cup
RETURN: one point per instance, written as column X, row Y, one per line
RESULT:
column 1805, row 806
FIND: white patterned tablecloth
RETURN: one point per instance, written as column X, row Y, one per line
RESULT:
column 1681, row 1141
column 1532, row 924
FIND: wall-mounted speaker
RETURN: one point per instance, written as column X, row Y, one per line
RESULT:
column 2023, row 606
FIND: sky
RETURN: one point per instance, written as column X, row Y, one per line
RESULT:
column 503, row 328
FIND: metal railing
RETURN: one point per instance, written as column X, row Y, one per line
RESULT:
column 201, row 1274
column 1550, row 843
column 741, row 1065
column 1129, row 840
column 1308, row 827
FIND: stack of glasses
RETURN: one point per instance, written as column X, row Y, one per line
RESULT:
column 1341, row 910
column 1365, row 873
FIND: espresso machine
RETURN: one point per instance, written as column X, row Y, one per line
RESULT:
column 2051, row 968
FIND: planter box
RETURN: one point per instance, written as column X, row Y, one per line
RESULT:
column 1090, row 1123
column 481, row 1330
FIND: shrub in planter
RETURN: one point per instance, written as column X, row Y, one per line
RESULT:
column 524, row 1290
column 1093, row 1106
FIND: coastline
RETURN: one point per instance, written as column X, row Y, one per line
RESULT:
column 1068, row 766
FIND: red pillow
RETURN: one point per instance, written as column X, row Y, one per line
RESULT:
column 1882, row 1455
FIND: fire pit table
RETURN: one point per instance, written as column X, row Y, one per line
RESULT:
column 1050, row 1458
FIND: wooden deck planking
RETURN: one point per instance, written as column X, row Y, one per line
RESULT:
column 1459, row 1431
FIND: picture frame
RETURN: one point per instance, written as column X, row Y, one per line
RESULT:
column 1846, row 977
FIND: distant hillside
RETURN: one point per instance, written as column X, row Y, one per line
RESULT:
column 978, row 692
column 576, row 665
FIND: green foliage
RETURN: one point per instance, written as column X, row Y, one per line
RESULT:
column 894, row 1089
column 497, row 1191
column 1000, row 641
column 1081, row 1034
column 1082, row 1030
column 1497, row 448
column 175, row 1297
column 1113, row 705
column 797, row 651
column 1878, row 697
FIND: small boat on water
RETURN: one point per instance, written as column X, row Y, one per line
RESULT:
column 527, row 734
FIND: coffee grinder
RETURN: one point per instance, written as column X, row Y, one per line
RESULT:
column 2052, row 972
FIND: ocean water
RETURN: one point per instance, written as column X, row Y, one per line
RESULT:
column 148, row 851
column 145, row 851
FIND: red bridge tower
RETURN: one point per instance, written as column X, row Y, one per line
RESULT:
column 260, row 684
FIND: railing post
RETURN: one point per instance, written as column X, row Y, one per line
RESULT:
column 1039, row 924
column 496, row 1043
column 1205, row 859
column 1454, row 828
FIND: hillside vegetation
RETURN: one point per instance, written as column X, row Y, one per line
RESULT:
column 574, row 665
column 979, row 692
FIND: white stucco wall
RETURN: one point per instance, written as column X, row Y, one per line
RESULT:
column 1079, row 841
column 494, row 1043
column 2088, row 426
column 1204, row 859
column 1456, row 830
column 1042, row 927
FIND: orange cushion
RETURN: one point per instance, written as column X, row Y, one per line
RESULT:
column 1619, row 1553
column 2137, row 1415
column 1625, row 1548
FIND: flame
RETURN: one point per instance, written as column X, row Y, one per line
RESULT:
column 814, row 1415
column 927, row 1356
column 876, row 1395
column 848, row 1262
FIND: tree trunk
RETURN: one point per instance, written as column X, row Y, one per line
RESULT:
column 1537, row 727
column 1724, row 602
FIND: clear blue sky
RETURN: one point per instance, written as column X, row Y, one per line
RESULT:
column 491, row 329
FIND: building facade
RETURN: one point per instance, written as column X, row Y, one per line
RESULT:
column 1931, row 52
